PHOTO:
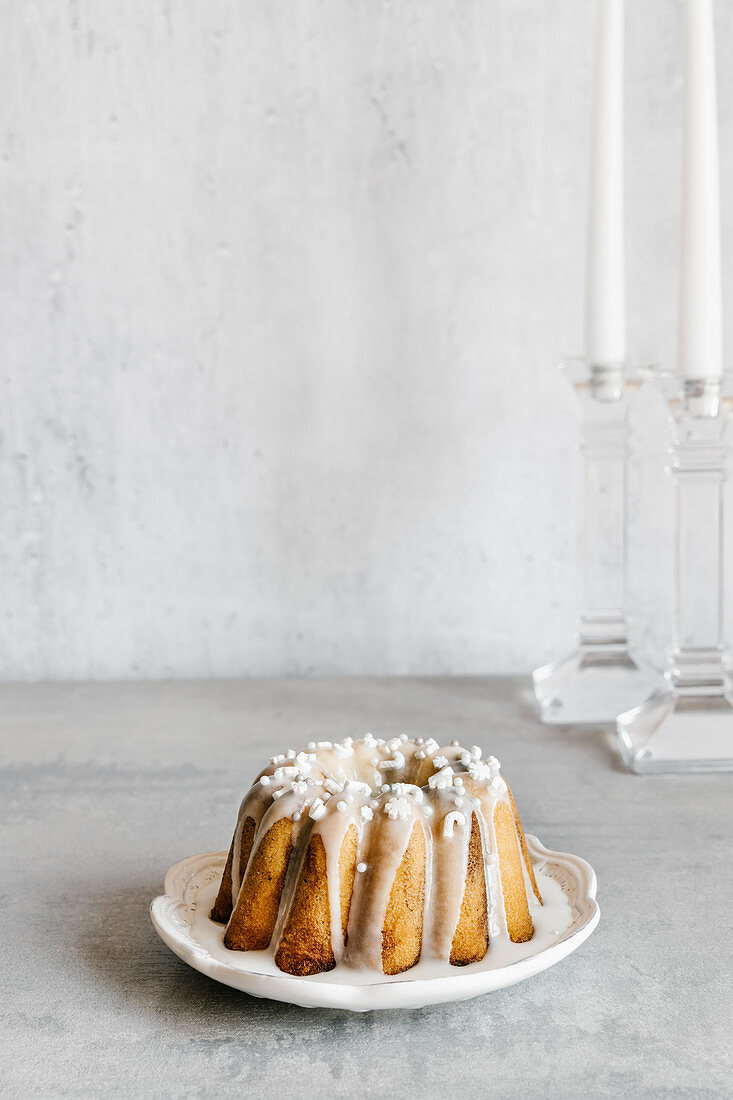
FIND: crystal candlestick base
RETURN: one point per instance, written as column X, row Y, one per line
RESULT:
column 600, row 678
column 687, row 726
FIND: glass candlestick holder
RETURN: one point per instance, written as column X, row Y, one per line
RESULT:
column 687, row 725
column 600, row 677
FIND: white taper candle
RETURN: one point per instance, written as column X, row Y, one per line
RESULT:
column 700, row 316
column 605, row 324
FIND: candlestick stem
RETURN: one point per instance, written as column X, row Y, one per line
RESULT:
column 688, row 725
column 600, row 677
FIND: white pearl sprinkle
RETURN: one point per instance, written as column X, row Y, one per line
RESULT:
column 361, row 868
column 341, row 806
column 265, row 781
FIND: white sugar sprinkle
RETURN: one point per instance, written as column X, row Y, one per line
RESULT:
column 451, row 820
column 318, row 809
column 398, row 808
column 403, row 789
column 398, row 761
column 441, row 779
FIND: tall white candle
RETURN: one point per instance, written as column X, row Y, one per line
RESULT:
column 605, row 323
column 700, row 318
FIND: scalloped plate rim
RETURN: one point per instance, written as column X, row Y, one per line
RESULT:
column 403, row 993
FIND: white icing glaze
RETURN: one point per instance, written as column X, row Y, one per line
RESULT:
column 550, row 922
column 383, row 788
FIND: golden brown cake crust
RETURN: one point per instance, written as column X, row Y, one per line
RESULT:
column 403, row 921
column 518, row 919
column 471, row 941
column 253, row 921
column 347, row 874
column 306, row 945
column 223, row 906
column 525, row 849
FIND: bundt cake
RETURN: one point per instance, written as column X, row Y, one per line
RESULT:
column 376, row 853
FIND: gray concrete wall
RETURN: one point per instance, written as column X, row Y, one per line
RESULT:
column 282, row 287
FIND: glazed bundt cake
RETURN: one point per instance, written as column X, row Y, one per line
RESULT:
column 377, row 853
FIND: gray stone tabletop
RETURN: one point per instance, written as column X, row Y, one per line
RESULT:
column 105, row 786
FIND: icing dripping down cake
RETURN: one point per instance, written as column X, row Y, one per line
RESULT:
column 376, row 853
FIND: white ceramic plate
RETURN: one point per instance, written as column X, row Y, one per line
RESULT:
column 180, row 917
